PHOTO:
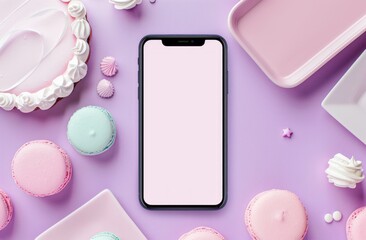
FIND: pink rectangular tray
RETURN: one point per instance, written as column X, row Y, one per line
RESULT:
column 291, row 39
column 100, row 214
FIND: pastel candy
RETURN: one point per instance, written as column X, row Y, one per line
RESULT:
column 108, row 66
column 337, row 216
column 105, row 89
column 41, row 168
column 328, row 218
column 105, row 236
column 202, row 233
column 276, row 215
column 6, row 210
column 91, row 130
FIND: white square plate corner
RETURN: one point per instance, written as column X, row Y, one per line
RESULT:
column 100, row 214
column 346, row 102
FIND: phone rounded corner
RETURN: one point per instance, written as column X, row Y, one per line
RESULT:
column 144, row 40
column 223, row 202
column 144, row 204
column 221, row 39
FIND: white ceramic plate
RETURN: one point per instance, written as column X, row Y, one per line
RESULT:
column 346, row 102
column 102, row 213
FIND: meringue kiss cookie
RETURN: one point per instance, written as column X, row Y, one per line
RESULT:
column 356, row 225
column 91, row 130
column 108, row 66
column 202, row 233
column 41, row 168
column 276, row 215
column 105, row 236
column 6, row 210
column 105, row 89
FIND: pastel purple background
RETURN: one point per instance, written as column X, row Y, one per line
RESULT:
column 259, row 158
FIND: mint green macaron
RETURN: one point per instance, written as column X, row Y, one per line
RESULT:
column 105, row 236
column 91, row 130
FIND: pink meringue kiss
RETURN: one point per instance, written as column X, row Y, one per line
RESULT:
column 105, row 89
column 108, row 66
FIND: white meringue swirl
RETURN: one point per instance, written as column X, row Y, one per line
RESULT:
column 125, row 4
column 76, row 9
column 77, row 69
column 81, row 28
column 63, row 86
column 46, row 97
column 7, row 101
column 344, row 172
column 26, row 102
column 81, row 50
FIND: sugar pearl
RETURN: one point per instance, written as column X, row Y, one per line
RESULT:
column 328, row 218
column 337, row 216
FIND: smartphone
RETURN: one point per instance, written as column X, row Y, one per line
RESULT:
column 182, row 94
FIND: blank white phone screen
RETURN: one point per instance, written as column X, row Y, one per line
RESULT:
column 183, row 124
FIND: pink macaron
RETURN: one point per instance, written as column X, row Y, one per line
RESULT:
column 202, row 233
column 276, row 215
column 6, row 210
column 41, row 168
column 356, row 225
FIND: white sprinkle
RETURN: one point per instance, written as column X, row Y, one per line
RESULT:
column 337, row 216
column 328, row 218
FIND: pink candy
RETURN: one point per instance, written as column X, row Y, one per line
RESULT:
column 287, row 133
column 105, row 89
column 108, row 66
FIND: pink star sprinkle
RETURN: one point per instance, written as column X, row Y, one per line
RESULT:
column 287, row 133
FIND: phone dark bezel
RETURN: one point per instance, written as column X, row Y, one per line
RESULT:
column 197, row 39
